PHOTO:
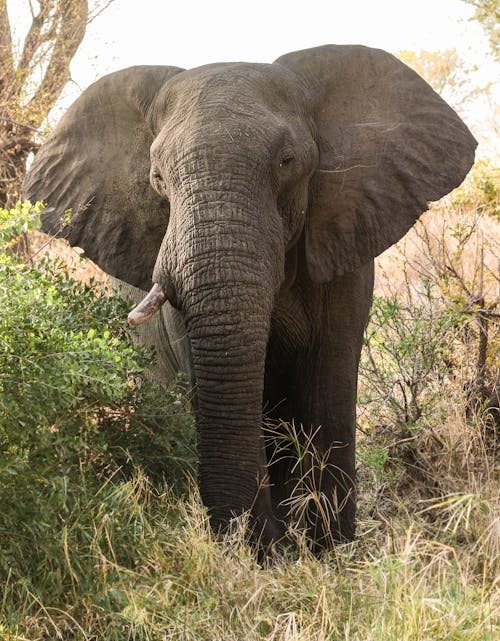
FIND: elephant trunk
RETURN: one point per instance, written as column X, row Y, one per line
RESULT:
column 225, row 280
column 228, row 354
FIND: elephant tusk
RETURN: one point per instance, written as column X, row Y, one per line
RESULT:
column 147, row 307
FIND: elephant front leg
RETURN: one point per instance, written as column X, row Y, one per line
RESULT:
column 311, row 446
column 326, row 406
column 313, row 455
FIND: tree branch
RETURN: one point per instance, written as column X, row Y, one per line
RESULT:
column 71, row 20
column 34, row 36
column 17, row 122
column 6, row 53
column 98, row 9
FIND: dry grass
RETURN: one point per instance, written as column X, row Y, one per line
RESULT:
column 399, row 582
column 447, row 237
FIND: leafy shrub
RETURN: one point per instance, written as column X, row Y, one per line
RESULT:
column 481, row 189
column 428, row 408
column 408, row 345
column 73, row 406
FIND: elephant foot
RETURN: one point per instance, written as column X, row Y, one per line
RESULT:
column 272, row 540
column 267, row 532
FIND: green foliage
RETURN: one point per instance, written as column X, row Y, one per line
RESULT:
column 481, row 189
column 74, row 411
column 428, row 374
column 16, row 221
column 487, row 13
column 63, row 348
column 142, row 576
column 407, row 351
column 94, row 545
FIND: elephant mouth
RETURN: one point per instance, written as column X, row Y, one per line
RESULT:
column 148, row 306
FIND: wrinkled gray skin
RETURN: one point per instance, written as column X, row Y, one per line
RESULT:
column 257, row 197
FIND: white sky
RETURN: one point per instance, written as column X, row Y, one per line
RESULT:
column 188, row 33
column 193, row 32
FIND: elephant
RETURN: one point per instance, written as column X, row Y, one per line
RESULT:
column 250, row 200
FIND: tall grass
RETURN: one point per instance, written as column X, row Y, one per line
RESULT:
column 149, row 569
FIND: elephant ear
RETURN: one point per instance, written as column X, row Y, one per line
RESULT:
column 388, row 144
column 93, row 173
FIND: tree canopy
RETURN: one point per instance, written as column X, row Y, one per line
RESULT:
column 487, row 13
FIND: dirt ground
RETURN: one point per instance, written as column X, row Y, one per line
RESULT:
column 40, row 244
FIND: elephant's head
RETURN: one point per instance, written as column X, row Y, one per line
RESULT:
column 205, row 182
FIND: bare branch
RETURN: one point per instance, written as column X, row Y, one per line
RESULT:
column 6, row 53
column 71, row 19
column 34, row 36
column 17, row 122
column 98, row 9
column 29, row 89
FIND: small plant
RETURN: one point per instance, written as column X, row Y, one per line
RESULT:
column 427, row 416
column 309, row 508
column 461, row 258
column 23, row 217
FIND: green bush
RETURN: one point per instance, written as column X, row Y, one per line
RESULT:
column 481, row 189
column 75, row 410
column 408, row 347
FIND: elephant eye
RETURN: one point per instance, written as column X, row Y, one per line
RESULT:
column 286, row 160
column 157, row 180
column 157, row 177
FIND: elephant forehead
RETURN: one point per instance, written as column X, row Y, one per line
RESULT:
column 233, row 75
column 233, row 86
column 224, row 136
